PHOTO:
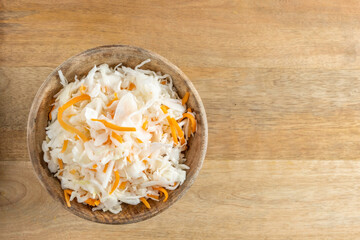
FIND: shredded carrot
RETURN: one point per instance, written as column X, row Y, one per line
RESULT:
column 117, row 137
column 172, row 128
column 185, row 98
column 163, row 82
column 114, row 127
column 73, row 171
column 164, row 109
column 89, row 201
column 178, row 129
column 71, row 115
column 123, row 185
column 131, row 86
column 114, row 99
column 189, row 111
column 112, row 114
column 61, row 165
column 92, row 202
column 192, row 120
column 52, row 109
column 145, row 162
column 145, row 202
column 173, row 133
column 94, row 170
column 128, row 159
column 153, row 196
column 76, row 137
column 68, row 191
column 116, row 183
column 144, row 126
column 163, row 191
column 174, row 184
column 82, row 89
column 64, row 146
column 67, row 198
column 108, row 141
column 138, row 140
column 66, row 126
column 95, row 166
column 105, row 168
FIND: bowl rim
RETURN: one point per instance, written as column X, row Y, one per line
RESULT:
column 34, row 111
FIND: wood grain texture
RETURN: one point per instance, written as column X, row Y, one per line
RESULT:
column 268, row 200
column 279, row 81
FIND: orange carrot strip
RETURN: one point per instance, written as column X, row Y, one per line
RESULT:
column 144, row 126
column 172, row 128
column 68, row 191
column 82, row 89
column 105, row 168
column 114, row 127
column 116, row 183
column 89, row 202
column 163, row 82
column 52, row 109
column 178, row 129
column 163, row 191
column 67, row 198
column 108, row 141
column 73, row 171
column 92, row 202
column 145, row 162
column 64, row 146
column 123, row 185
column 131, row 86
column 94, row 166
column 145, row 202
column 128, row 159
column 185, row 98
column 71, row 115
column 138, row 140
column 153, row 196
column 189, row 111
column 66, row 126
column 173, row 133
column 192, row 120
column 164, row 109
column 117, row 137
column 114, row 99
column 94, row 170
column 61, row 165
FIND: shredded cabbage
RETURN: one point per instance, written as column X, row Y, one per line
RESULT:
column 144, row 159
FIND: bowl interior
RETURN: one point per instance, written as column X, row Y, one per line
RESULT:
column 80, row 65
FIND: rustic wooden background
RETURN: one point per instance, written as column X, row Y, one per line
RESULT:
column 280, row 81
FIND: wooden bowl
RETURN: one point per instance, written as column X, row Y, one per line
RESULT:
column 80, row 65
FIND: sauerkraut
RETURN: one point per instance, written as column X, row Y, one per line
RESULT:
column 118, row 136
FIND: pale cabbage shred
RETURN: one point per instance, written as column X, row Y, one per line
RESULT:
column 165, row 162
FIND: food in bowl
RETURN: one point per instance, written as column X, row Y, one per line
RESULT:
column 118, row 136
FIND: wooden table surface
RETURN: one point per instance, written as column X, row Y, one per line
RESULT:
column 280, row 81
